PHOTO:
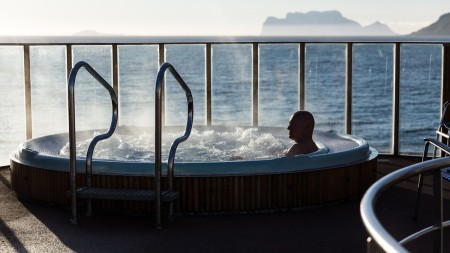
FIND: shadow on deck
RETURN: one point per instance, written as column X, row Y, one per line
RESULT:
column 27, row 226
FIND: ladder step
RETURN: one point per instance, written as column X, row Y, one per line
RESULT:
column 123, row 194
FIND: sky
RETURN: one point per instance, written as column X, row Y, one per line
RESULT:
column 200, row 17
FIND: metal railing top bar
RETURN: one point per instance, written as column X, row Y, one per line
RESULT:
column 367, row 208
column 99, row 40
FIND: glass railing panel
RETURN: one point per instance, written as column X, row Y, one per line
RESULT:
column 92, row 100
column 138, row 65
column 420, row 93
column 48, row 90
column 372, row 94
column 325, row 73
column 12, row 104
column 189, row 62
column 325, row 66
column 278, row 83
column 232, row 84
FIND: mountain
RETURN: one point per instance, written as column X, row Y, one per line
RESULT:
column 321, row 23
column 378, row 28
column 439, row 28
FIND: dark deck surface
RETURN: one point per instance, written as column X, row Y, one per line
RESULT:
column 27, row 226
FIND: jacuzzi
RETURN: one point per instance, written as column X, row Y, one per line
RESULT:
column 343, row 168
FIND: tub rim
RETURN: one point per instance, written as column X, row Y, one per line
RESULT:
column 316, row 161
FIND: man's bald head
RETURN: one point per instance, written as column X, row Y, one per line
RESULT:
column 305, row 116
column 301, row 126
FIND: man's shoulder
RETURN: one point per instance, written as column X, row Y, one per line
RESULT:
column 300, row 148
column 295, row 150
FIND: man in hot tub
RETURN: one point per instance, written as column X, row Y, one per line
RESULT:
column 301, row 127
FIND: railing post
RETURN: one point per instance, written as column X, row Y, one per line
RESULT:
column 162, row 59
column 445, row 86
column 208, row 84
column 349, row 89
column 115, row 70
column 28, row 114
column 301, row 87
column 68, row 59
column 396, row 100
column 255, row 83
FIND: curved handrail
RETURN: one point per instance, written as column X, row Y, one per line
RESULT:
column 72, row 131
column 158, row 133
column 376, row 230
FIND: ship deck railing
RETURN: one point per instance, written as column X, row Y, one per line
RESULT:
column 254, row 41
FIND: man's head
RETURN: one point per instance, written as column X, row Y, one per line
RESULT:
column 301, row 126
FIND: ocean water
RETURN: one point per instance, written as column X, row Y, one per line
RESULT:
column 420, row 78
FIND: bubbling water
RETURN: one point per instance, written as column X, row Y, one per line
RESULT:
column 201, row 146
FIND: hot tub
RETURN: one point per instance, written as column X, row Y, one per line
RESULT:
column 343, row 168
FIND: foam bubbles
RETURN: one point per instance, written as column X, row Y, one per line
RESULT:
column 202, row 146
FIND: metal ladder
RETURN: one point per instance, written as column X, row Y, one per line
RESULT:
column 158, row 133
column 88, row 192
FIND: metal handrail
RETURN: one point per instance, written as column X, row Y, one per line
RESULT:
column 188, row 39
column 367, row 208
column 72, row 131
column 158, row 133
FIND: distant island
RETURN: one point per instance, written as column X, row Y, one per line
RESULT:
column 325, row 23
column 321, row 23
column 332, row 23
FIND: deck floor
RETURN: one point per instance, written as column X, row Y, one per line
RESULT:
column 28, row 226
